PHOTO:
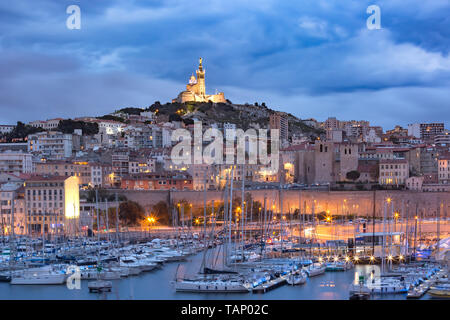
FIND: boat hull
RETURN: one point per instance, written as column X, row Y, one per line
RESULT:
column 39, row 280
column 213, row 288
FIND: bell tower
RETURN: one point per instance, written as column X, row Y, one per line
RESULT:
column 201, row 79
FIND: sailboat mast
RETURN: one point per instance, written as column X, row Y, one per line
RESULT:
column 225, row 221
column 230, row 212
column 373, row 223
column 43, row 237
column 415, row 231
column 407, row 229
column 3, row 226
column 263, row 237
column 383, row 256
column 251, row 219
column 117, row 219
column 281, row 214
column 12, row 240
column 242, row 209
column 438, row 229
column 98, row 218
column 107, row 219
column 204, row 212
column 13, row 195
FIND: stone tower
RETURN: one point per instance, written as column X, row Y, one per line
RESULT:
column 201, row 79
column 196, row 90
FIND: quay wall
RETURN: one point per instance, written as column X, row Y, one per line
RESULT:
column 358, row 203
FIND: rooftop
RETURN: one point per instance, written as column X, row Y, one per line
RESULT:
column 46, row 178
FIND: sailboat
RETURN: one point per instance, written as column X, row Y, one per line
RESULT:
column 297, row 277
column 34, row 276
column 210, row 279
column 315, row 269
column 385, row 284
column 99, row 285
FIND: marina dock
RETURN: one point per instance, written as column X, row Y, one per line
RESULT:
column 419, row 291
column 270, row 285
column 100, row 286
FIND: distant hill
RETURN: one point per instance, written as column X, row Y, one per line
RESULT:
column 244, row 116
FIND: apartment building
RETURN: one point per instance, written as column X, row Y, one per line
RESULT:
column 444, row 169
column 6, row 128
column 50, row 124
column 88, row 173
column 393, row 172
column 51, row 144
column 425, row 131
column 15, row 162
column 279, row 120
column 50, row 202
column 12, row 198
column 157, row 181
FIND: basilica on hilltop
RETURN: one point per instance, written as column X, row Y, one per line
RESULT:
column 196, row 90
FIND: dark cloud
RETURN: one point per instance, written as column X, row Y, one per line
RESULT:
column 313, row 58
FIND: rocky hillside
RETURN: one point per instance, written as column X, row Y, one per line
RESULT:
column 244, row 116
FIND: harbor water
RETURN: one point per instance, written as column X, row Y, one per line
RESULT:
column 155, row 285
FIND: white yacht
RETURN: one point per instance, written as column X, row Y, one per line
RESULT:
column 35, row 276
column 385, row 285
column 315, row 269
column 296, row 278
column 130, row 262
column 218, row 286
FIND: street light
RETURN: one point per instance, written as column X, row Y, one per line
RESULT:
column 396, row 215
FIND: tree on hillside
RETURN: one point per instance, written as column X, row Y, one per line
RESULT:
column 175, row 117
column 21, row 131
column 161, row 212
column 110, row 117
column 131, row 110
column 353, row 175
column 131, row 213
column 69, row 125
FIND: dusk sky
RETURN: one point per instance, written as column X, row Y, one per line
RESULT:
column 311, row 58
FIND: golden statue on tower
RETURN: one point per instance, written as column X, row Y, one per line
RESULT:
column 196, row 89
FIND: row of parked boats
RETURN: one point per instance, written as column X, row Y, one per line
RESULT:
column 92, row 260
column 252, row 276
column 412, row 280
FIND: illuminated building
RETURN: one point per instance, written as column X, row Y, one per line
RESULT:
column 426, row 131
column 10, row 192
column 196, row 90
column 51, row 201
column 88, row 173
column 393, row 172
column 157, row 181
column 444, row 169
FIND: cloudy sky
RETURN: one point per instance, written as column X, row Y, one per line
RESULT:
column 312, row 58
